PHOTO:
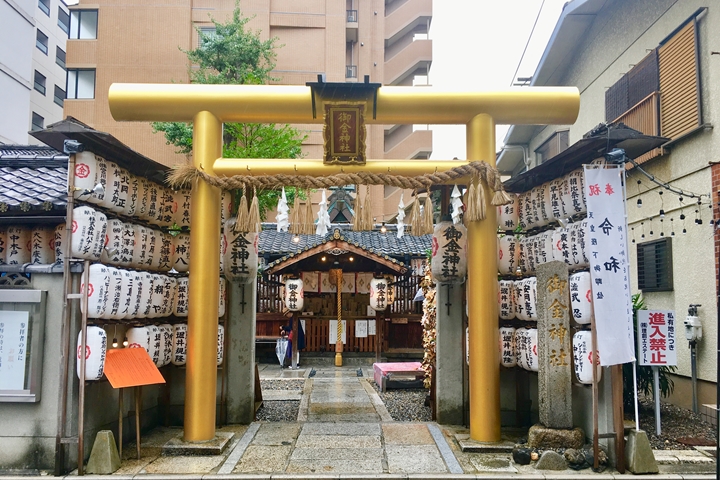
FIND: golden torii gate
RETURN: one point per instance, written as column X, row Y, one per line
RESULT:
column 208, row 106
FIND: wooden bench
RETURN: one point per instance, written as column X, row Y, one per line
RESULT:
column 398, row 375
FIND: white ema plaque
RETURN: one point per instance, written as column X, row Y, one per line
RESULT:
column 361, row 328
column 14, row 340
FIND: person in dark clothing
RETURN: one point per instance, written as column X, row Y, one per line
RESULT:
column 296, row 342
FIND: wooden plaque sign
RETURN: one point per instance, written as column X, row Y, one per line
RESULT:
column 344, row 134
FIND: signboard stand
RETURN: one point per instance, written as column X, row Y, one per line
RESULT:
column 120, row 422
column 138, row 407
column 656, row 384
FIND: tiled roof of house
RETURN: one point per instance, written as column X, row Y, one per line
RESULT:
column 33, row 181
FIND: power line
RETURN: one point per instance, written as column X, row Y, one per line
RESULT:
column 527, row 43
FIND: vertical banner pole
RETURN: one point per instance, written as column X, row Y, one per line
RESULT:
column 482, row 304
column 656, row 394
column 637, row 414
column 595, row 394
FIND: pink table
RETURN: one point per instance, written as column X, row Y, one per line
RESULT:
column 383, row 371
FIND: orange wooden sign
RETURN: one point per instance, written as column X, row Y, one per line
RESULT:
column 131, row 367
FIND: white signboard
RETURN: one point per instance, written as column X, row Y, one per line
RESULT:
column 14, row 327
column 609, row 265
column 361, row 328
column 333, row 332
column 371, row 327
column 656, row 338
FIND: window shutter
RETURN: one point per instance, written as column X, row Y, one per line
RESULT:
column 616, row 99
column 679, row 101
column 643, row 79
column 654, row 262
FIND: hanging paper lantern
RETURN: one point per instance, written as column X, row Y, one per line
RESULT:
column 521, row 347
column 42, row 245
column 152, row 251
column 561, row 245
column 151, row 202
column 136, row 303
column 146, row 289
column 127, row 294
column 97, row 291
column 157, row 345
column 95, row 351
column 449, row 252
column 531, row 352
column 179, row 344
column 165, row 243
column 180, row 299
column 127, row 251
column 225, row 207
column 543, row 248
column 294, row 294
column 159, row 206
column 18, row 249
column 526, row 299
column 59, row 243
column 582, row 245
column 541, row 199
column 112, row 306
column 555, row 193
column 167, row 332
column 506, row 308
column 133, row 198
column 222, row 301
column 181, row 253
column 88, row 233
column 581, row 297
column 582, row 358
column 112, row 253
column 508, row 216
column 527, row 256
column 140, row 237
column 391, row 289
column 123, row 199
column 575, row 199
column 169, row 287
column 139, row 337
column 142, row 202
column 508, row 254
column 220, row 345
column 529, row 210
column 522, row 221
column 508, row 357
column 182, row 215
column 379, row 294
column 157, row 295
column 86, row 176
column 239, row 253
column 167, row 209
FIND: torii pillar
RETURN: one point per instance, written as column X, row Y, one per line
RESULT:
column 208, row 106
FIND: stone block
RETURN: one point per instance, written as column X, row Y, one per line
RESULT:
column 521, row 456
column 638, row 453
column 104, row 458
column 551, row 460
column 540, row 436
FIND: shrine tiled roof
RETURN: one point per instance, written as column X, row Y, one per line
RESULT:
column 275, row 243
column 33, row 181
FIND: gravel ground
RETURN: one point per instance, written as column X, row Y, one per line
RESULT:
column 280, row 410
column 676, row 424
column 405, row 405
column 294, row 384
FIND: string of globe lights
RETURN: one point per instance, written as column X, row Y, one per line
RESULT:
column 682, row 194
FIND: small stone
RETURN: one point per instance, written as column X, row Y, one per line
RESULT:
column 551, row 460
column 540, row 436
column 522, row 456
column 104, row 458
column 576, row 459
column 534, row 456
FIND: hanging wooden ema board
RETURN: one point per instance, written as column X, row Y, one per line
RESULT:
column 131, row 367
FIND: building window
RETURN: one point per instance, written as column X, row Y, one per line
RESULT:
column 44, row 5
column 59, row 96
column 39, row 82
column 654, row 263
column 41, row 42
column 60, row 57
column 557, row 142
column 38, row 122
column 83, row 24
column 81, row 84
column 205, row 33
column 64, row 20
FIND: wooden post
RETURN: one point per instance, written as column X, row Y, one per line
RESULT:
column 138, row 403
column 618, row 418
column 378, row 342
column 595, row 393
column 120, row 422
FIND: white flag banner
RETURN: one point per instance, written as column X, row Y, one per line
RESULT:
column 609, row 263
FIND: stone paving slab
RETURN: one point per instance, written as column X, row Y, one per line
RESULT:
column 282, row 395
column 337, row 453
column 264, row 459
column 341, row 429
column 335, row 466
column 330, row 442
column 184, row 464
column 672, row 457
column 365, row 418
column 407, row 434
column 414, row 459
column 275, row 434
column 489, row 463
column 338, row 408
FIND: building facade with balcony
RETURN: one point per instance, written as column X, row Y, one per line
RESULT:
column 655, row 67
column 121, row 41
column 33, row 34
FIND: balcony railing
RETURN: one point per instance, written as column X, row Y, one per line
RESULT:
column 644, row 117
column 352, row 16
column 350, row 71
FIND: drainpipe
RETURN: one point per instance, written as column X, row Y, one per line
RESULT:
column 524, row 149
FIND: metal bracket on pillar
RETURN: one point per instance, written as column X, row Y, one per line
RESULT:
column 448, row 304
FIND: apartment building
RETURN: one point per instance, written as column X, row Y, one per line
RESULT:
column 121, row 41
column 33, row 34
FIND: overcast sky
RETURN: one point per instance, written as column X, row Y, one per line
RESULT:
column 477, row 45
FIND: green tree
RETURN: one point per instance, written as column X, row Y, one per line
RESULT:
column 236, row 55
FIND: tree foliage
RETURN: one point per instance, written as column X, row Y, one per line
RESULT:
column 236, row 55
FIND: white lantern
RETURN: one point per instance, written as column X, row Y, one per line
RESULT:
column 529, row 211
column 526, row 299
column 42, row 245
column 167, row 333
column 582, row 358
column 128, row 245
column 527, row 256
column 581, row 297
column 60, row 233
column 220, row 345
column 180, row 300
column 88, row 233
column 146, row 289
column 97, row 291
column 152, row 252
column 379, row 288
column 181, row 252
column 95, row 351
column 508, row 357
column 87, row 175
column 133, row 201
column 165, row 242
column 182, row 213
column 113, row 252
column 169, row 287
column 157, row 345
column 112, row 307
column 153, row 199
column 157, row 296
column 531, row 352
column 582, row 245
column 225, row 207
column 449, row 252
column 110, row 183
column 575, row 199
column 508, row 254
column 136, row 303
column 555, row 192
column 18, row 246
column 138, row 337
column 506, row 308
column 561, row 245
column 541, row 199
column 222, row 294
column 508, row 216
column 179, row 344
column 543, row 248
column 140, row 237
column 240, row 253
column 127, row 298
column 294, row 294
column 161, row 206
column 120, row 203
